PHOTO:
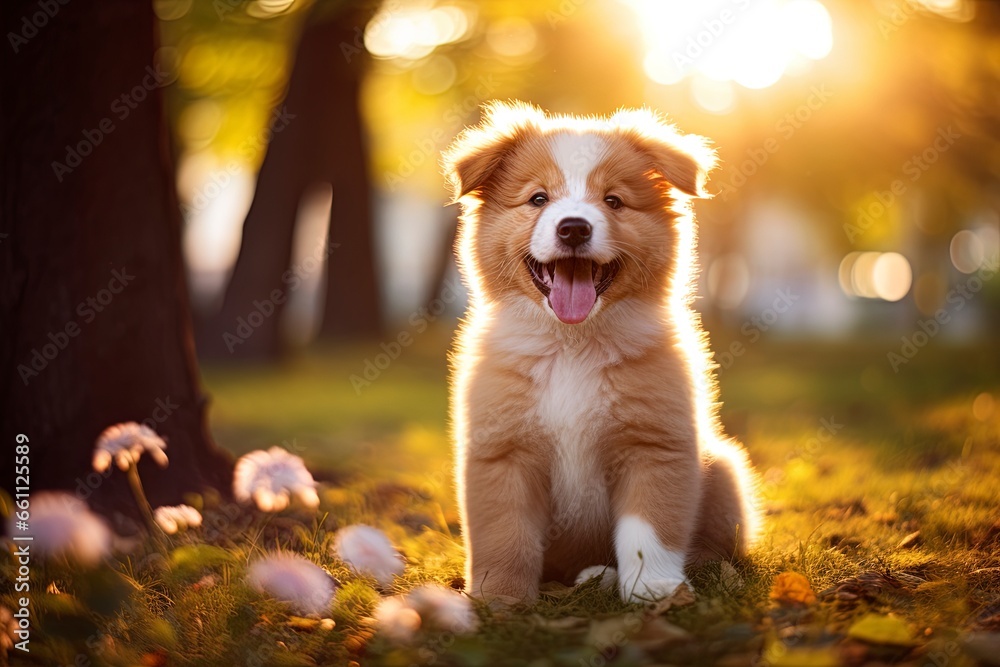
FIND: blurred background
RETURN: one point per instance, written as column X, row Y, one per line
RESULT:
column 855, row 222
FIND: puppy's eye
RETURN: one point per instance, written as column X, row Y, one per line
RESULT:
column 613, row 201
column 539, row 199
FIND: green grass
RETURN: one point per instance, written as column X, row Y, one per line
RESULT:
column 854, row 458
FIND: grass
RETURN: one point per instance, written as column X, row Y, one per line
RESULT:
column 881, row 489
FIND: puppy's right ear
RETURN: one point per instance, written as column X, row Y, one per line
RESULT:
column 478, row 151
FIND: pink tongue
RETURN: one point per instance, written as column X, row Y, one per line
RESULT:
column 573, row 292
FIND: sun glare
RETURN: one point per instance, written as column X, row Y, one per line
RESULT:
column 415, row 30
column 751, row 43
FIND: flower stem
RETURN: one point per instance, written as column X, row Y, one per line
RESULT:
column 147, row 512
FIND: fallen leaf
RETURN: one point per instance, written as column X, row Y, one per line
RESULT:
column 792, row 588
column 157, row 659
column 301, row 623
column 730, row 578
column 563, row 624
column 910, row 541
column 867, row 586
column 554, row 589
column 879, row 629
column 801, row 657
column 681, row 597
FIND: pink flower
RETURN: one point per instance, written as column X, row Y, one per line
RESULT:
column 272, row 478
column 171, row 518
column 368, row 551
column 125, row 444
column 430, row 606
column 396, row 619
column 305, row 586
column 64, row 527
column 444, row 608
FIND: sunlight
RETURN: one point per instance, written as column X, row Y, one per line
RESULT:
column 414, row 31
column 752, row 44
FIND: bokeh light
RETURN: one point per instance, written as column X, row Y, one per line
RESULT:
column 750, row 43
column 967, row 251
column 511, row 37
column 414, row 31
column 876, row 275
column 891, row 276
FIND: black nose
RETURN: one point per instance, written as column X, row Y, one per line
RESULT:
column 573, row 231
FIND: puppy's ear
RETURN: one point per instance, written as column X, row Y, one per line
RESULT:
column 682, row 160
column 477, row 151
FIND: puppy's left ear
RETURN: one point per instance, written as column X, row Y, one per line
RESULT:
column 682, row 160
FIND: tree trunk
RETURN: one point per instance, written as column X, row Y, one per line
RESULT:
column 323, row 142
column 94, row 312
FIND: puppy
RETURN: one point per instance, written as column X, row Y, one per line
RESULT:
column 583, row 400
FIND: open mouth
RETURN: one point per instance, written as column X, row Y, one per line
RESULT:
column 572, row 285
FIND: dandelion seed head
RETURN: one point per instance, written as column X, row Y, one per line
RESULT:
column 272, row 478
column 171, row 518
column 125, row 443
column 305, row 586
column 367, row 550
column 64, row 527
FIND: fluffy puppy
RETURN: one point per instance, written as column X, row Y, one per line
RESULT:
column 583, row 398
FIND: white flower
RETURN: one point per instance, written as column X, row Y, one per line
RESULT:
column 368, row 551
column 397, row 619
column 291, row 578
column 430, row 605
column 172, row 518
column 63, row 526
column 271, row 478
column 125, row 443
column 444, row 608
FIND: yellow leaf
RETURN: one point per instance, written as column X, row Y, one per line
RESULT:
column 879, row 629
column 778, row 655
column 792, row 588
column 301, row 623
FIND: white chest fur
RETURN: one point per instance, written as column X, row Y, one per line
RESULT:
column 572, row 407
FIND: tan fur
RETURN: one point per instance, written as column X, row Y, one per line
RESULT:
column 562, row 429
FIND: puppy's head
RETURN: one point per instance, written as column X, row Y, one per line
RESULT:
column 574, row 213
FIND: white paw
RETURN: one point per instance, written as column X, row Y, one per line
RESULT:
column 646, row 569
column 607, row 574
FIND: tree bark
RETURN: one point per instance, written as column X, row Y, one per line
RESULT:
column 323, row 142
column 94, row 311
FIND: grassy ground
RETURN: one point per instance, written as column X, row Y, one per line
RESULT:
column 881, row 488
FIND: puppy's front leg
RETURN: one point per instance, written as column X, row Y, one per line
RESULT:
column 506, row 515
column 655, row 498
